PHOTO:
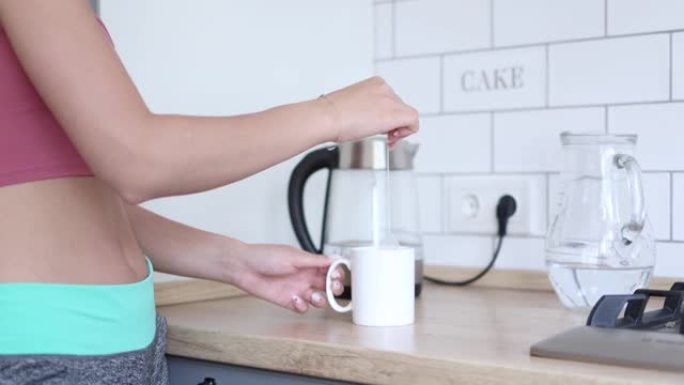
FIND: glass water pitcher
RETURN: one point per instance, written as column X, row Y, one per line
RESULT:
column 600, row 241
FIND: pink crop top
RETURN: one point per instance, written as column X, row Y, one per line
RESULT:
column 33, row 146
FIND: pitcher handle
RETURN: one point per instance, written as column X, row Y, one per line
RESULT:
column 637, row 220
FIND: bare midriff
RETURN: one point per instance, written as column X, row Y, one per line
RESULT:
column 67, row 230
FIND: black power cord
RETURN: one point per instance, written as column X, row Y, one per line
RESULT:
column 504, row 211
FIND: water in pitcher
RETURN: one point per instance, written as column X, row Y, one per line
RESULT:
column 341, row 249
column 582, row 285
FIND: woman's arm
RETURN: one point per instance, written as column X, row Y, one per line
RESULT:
column 278, row 274
column 175, row 248
column 144, row 155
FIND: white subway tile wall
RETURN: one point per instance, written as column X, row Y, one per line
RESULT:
column 660, row 128
column 637, row 16
column 678, row 66
column 538, row 21
column 678, row 206
column 457, row 250
column 430, row 203
column 670, row 258
column 435, row 26
column 658, row 203
column 384, row 38
column 620, row 70
column 418, row 81
column 454, row 143
column 522, row 254
column 530, row 140
column 496, row 83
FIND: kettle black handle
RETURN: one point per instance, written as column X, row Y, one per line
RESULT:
column 314, row 161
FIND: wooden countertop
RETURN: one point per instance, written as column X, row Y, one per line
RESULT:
column 461, row 336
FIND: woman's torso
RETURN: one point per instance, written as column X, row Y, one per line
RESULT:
column 58, row 223
column 70, row 230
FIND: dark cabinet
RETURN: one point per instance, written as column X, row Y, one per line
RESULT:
column 185, row 371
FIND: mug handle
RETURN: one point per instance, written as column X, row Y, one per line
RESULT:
column 328, row 291
column 638, row 219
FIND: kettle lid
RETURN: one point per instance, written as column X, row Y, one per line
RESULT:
column 371, row 154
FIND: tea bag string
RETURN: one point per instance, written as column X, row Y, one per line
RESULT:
column 388, row 237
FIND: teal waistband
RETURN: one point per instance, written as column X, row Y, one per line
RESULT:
column 46, row 318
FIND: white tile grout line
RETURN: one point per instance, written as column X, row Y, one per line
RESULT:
column 519, row 236
column 443, row 203
column 521, row 173
column 538, row 44
column 378, row 59
column 547, row 70
column 491, row 235
column 393, row 18
column 441, row 84
column 672, row 242
column 492, row 143
column 671, row 205
column 552, row 107
column 548, row 199
column 671, row 65
column 605, row 18
column 491, row 23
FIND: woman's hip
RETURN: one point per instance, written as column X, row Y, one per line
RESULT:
column 146, row 366
column 75, row 333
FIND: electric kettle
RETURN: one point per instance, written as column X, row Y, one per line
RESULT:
column 352, row 206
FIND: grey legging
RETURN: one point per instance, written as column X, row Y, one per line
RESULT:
column 141, row 367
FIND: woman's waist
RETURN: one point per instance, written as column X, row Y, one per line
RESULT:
column 67, row 230
column 46, row 318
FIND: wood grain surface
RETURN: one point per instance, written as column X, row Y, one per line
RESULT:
column 192, row 290
column 461, row 336
column 515, row 279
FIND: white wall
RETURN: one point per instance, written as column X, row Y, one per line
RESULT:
column 609, row 65
column 218, row 57
column 612, row 65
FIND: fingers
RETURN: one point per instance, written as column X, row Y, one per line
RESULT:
column 337, row 277
column 407, row 118
column 315, row 294
column 394, row 136
column 339, row 272
column 309, row 282
column 311, row 261
column 337, row 287
column 298, row 304
column 410, row 124
column 318, row 281
column 311, row 297
column 317, row 299
column 402, row 132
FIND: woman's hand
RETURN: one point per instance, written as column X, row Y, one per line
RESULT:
column 285, row 276
column 369, row 108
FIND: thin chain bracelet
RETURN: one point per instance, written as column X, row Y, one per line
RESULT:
column 332, row 104
column 335, row 112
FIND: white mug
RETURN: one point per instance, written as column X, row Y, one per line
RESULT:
column 382, row 281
